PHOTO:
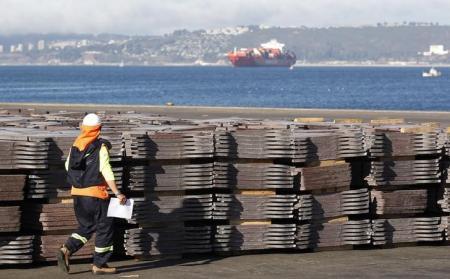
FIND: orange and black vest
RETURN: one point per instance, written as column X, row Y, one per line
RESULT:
column 84, row 166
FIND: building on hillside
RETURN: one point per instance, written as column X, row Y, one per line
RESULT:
column 62, row 44
column 436, row 50
column 41, row 45
column 1, row 48
column 19, row 48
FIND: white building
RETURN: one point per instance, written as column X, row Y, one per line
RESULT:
column 82, row 43
column 19, row 48
column 1, row 48
column 228, row 31
column 62, row 44
column 436, row 50
column 41, row 45
column 30, row 47
column 12, row 48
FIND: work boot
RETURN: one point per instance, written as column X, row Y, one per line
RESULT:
column 103, row 270
column 63, row 256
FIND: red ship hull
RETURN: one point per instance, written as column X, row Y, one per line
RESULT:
column 261, row 58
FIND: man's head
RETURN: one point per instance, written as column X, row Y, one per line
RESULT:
column 91, row 120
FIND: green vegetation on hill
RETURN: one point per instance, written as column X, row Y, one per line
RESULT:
column 379, row 44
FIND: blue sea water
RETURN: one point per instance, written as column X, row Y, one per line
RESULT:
column 392, row 88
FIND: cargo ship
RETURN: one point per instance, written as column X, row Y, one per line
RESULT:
column 270, row 54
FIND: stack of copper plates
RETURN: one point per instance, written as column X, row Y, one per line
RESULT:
column 169, row 145
column 351, row 142
column 315, row 145
column 49, row 183
column 10, row 218
column 254, row 237
column 154, row 208
column 321, row 234
column 235, row 206
column 12, row 187
column 16, row 249
column 48, row 245
column 405, row 172
column 253, row 175
column 7, row 158
column 254, row 144
column 163, row 177
column 325, row 177
column 417, row 201
column 352, row 202
column 401, row 230
column 50, row 217
column 392, row 142
column 169, row 240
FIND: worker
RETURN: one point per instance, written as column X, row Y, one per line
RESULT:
column 90, row 174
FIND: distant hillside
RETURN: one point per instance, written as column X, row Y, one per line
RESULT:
column 378, row 44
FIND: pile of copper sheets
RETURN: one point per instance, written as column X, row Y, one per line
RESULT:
column 254, row 237
column 254, row 144
column 163, row 177
column 299, row 145
column 10, row 218
column 154, row 208
column 169, row 145
column 12, row 187
column 235, row 175
column 169, row 240
column 391, row 142
column 402, row 230
column 16, row 249
column 48, row 245
column 253, row 207
column 418, row 201
column 50, row 217
column 321, row 206
column 228, row 184
column 7, row 157
column 405, row 172
column 323, row 234
column 351, row 142
column 49, row 183
column 325, row 177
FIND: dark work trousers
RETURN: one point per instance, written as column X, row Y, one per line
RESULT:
column 92, row 218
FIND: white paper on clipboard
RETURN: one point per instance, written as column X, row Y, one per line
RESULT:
column 115, row 209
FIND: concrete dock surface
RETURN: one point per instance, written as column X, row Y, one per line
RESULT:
column 406, row 262
column 198, row 112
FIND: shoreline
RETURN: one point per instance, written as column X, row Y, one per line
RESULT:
column 309, row 65
column 202, row 112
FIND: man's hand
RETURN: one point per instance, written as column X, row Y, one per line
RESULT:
column 122, row 199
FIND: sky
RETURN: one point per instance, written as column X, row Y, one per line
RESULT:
column 155, row 17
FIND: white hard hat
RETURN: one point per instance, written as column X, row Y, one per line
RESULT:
column 91, row 119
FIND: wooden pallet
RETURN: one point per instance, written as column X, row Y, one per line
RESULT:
column 348, row 120
column 309, row 119
column 250, row 222
column 255, row 192
column 387, row 121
